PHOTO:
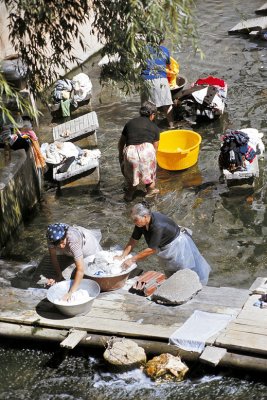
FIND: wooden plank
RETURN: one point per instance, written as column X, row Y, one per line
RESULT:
column 251, row 171
column 212, row 355
column 249, row 24
column 241, row 327
column 78, row 128
column 74, row 338
column 262, row 10
column 98, row 325
column 258, row 282
column 243, row 341
column 76, row 170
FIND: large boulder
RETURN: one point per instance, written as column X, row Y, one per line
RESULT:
column 166, row 367
column 178, row 289
column 124, row 352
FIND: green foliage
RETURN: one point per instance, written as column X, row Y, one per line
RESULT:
column 42, row 32
column 11, row 99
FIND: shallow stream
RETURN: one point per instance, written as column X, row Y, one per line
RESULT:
column 229, row 227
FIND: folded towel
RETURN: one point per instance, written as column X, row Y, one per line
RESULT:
column 192, row 335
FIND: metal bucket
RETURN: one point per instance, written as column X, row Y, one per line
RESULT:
column 108, row 283
column 58, row 290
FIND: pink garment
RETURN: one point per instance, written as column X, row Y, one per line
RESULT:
column 140, row 164
column 29, row 132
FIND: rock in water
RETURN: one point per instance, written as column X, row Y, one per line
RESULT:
column 124, row 352
column 166, row 367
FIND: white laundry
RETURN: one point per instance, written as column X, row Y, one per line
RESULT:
column 104, row 263
column 79, row 297
column 255, row 140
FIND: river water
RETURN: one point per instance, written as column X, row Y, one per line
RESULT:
column 229, row 227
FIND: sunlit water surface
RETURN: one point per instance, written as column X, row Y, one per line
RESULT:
column 228, row 227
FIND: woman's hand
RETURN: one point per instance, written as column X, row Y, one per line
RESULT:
column 51, row 282
column 67, row 296
column 128, row 263
column 118, row 257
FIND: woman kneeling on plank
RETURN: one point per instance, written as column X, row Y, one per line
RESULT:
column 172, row 243
column 73, row 241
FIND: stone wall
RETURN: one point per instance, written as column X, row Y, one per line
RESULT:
column 19, row 190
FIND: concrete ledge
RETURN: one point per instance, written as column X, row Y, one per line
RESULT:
column 19, row 190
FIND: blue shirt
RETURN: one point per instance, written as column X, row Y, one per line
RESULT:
column 156, row 66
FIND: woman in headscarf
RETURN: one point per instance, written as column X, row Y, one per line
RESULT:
column 73, row 241
column 172, row 244
column 137, row 151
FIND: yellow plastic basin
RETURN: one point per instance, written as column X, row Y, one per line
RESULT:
column 178, row 149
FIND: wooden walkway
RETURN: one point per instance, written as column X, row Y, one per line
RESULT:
column 262, row 10
column 27, row 314
column 248, row 25
column 248, row 332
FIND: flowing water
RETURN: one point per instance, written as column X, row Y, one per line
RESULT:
column 229, row 227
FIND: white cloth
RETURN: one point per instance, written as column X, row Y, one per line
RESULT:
column 182, row 253
column 255, row 139
column 82, row 86
column 194, row 333
column 67, row 149
column 92, row 238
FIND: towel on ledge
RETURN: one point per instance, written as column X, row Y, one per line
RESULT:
column 192, row 335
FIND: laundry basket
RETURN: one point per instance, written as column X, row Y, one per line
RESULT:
column 178, row 149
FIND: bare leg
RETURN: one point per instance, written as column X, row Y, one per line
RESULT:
column 168, row 110
column 151, row 189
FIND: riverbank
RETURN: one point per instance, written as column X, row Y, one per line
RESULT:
column 20, row 190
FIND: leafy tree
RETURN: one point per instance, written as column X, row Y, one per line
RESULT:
column 11, row 99
column 42, row 32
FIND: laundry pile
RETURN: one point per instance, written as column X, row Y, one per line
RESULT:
column 66, row 156
column 70, row 92
column 104, row 263
column 239, row 149
column 79, row 297
column 205, row 98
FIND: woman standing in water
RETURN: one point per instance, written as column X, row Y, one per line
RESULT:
column 137, row 151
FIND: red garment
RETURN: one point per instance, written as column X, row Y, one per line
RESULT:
column 211, row 80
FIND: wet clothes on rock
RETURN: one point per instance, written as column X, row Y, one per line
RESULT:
column 81, row 242
column 235, row 150
column 176, row 249
column 139, row 154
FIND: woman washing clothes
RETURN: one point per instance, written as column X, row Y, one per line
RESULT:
column 156, row 87
column 172, row 244
column 73, row 241
column 137, row 151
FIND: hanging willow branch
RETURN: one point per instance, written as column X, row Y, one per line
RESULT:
column 42, row 32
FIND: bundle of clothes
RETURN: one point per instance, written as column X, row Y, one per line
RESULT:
column 23, row 136
column 66, row 155
column 239, row 148
column 70, row 92
column 205, row 98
